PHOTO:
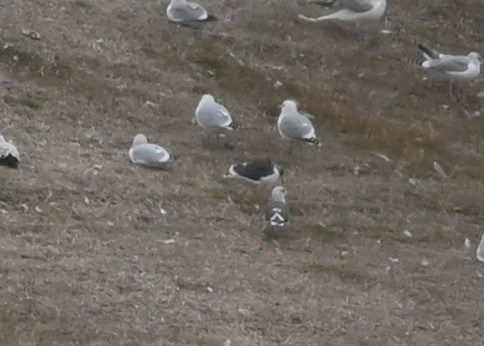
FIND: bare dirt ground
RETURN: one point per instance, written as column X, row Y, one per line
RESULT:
column 83, row 245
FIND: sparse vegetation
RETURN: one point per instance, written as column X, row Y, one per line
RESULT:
column 96, row 251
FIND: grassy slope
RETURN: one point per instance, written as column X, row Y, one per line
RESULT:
column 89, row 265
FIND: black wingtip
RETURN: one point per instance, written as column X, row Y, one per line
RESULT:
column 427, row 50
column 9, row 161
column 325, row 3
column 313, row 140
column 234, row 125
column 211, row 18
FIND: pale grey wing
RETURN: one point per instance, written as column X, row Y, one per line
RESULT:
column 354, row 5
column 213, row 115
column 450, row 63
column 8, row 149
column 296, row 126
column 188, row 13
column 276, row 213
column 149, row 154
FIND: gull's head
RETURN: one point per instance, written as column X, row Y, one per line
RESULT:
column 289, row 105
column 279, row 194
column 207, row 98
column 474, row 56
column 139, row 139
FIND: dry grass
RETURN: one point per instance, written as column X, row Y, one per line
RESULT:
column 87, row 256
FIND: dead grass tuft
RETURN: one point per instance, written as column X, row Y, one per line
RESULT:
column 19, row 58
column 27, row 100
column 344, row 272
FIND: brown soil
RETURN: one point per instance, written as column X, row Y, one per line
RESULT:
column 84, row 252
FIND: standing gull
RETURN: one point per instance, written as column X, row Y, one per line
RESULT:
column 213, row 117
column 183, row 11
column 294, row 125
column 457, row 67
column 9, row 155
column 277, row 211
column 256, row 171
column 144, row 153
column 350, row 10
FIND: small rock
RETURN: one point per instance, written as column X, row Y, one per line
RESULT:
column 412, row 181
column 278, row 84
column 383, row 157
column 210, row 289
column 386, row 32
column 467, row 243
column 394, row 259
column 31, row 34
column 425, row 263
column 446, row 107
column 438, row 168
column 407, row 233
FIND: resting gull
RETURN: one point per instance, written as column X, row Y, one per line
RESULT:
column 350, row 10
column 183, row 11
column 277, row 211
column 256, row 171
column 9, row 155
column 294, row 125
column 456, row 67
column 144, row 153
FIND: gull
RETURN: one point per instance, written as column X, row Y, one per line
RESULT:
column 144, row 153
column 350, row 10
column 457, row 67
column 480, row 250
column 294, row 125
column 277, row 211
column 256, row 171
column 213, row 117
column 183, row 11
column 9, row 155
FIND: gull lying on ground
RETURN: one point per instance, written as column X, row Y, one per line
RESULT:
column 9, row 155
column 277, row 211
column 294, row 125
column 351, row 10
column 256, row 171
column 457, row 67
column 211, row 115
column 144, row 153
column 183, row 11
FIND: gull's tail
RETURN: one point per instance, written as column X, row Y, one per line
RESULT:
column 416, row 61
column 428, row 52
column 318, row 19
column 233, row 125
column 313, row 140
column 9, row 161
